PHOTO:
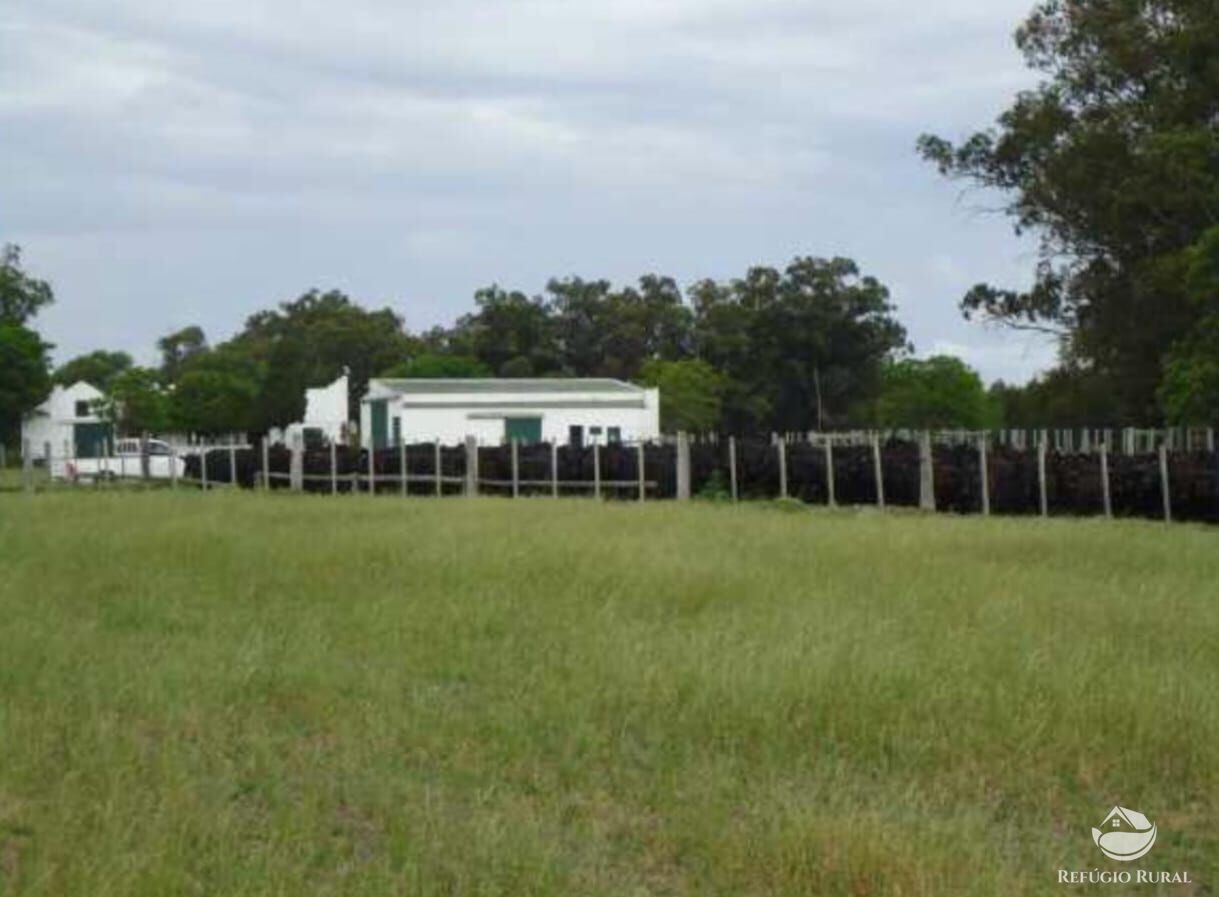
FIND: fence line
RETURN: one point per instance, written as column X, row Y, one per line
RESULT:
column 931, row 471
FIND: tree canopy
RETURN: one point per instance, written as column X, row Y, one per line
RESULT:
column 691, row 394
column 438, row 367
column 1113, row 160
column 257, row 379
column 21, row 296
column 941, row 392
column 776, row 349
column 24, row 357
column 98, row 368
column 24, row 377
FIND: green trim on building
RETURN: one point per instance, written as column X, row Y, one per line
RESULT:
column 523, row 429
column 90, row 440
column 378, row 421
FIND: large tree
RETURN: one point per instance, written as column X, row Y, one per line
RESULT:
column 178, row 348
column 24, row 357
column 934, row 393
column 136, row 402
column 603, row 332
column 216, row 392
column 1113, row 160
column 98, row 368
column 430, row 366
column 24, row 377
column 691, row 394
column 309, row 342
column 509, row 333
column 802, row 348
column 21, row 296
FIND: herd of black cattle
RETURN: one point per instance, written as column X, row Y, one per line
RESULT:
column 1073, row 480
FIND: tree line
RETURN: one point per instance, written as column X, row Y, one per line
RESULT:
column 815, row 345
column 788, row 349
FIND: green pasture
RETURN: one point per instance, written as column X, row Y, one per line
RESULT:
column 243, row 694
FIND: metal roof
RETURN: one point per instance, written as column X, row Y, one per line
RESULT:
column 511, row 386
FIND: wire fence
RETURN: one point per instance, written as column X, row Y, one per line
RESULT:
column 1150, row 473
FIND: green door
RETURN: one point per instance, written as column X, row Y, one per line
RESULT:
column 379, row 420
column 90, row 439
column 523, row 429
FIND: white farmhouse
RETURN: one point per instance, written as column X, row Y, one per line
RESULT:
column 574, row 411
column 69, row 422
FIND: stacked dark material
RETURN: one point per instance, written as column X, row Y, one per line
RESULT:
column 1073, row 480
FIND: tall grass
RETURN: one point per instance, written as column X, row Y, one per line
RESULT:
column 283, row 695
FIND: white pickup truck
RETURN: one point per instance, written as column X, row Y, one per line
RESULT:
column 123, row 463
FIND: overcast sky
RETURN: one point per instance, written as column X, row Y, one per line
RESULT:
column 171, row 163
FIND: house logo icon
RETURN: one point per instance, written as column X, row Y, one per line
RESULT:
column 1125, row 835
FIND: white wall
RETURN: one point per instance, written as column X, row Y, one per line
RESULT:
column 486, row 421
column 452, row 425
column 54, row 420
column 326, row 408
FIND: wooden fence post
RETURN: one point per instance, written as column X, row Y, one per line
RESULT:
column 1210, row 439
column 732, row 467
column 266, row 464
column 438, row 460
column 639, row 463
column 471, row 466
column 831, row 499
column 516, row 469
column 781, row 448
column 878, row 472
column 683, row 466
column 145, row 460
column 3, row 457
column 1165, row 490
column 27, row 466
column 334, row 468
column 984, row 475
column 554, row 469
column 402, row 469
column 372, row 470
column 202, row 466
column 232, row 464
column 1104, row 479
column 596, row 470
column 1041, row 489
column 926, row 473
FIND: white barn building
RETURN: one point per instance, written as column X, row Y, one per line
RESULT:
column 573, row 411
column 69, row 422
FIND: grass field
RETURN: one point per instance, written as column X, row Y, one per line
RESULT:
column 251, row 695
